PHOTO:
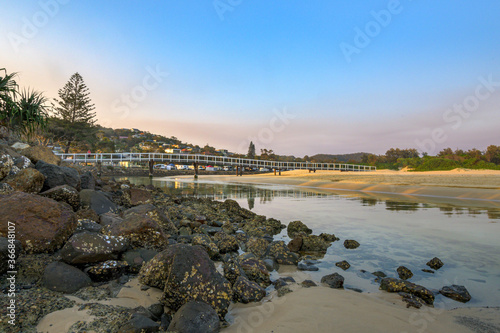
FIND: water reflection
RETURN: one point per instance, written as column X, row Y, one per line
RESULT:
column 265, row 194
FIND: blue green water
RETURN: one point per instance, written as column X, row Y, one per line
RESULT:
column 391, row 233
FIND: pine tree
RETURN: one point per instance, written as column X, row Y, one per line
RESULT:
column 74, row 111
column 251, row 150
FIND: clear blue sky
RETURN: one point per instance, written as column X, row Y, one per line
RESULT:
column 352, row 76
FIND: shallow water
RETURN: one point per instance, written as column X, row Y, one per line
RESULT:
column 391, row 233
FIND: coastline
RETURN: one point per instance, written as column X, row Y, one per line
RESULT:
column 471, row 188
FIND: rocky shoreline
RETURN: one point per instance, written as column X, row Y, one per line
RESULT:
column 69, row 232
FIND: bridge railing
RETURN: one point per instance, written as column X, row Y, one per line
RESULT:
column 208, row 160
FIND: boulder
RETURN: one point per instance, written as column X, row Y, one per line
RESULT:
column 87, row 181
column 257, row 246
column 186, row 273
column 206, row 242
column 139, row 324
column 64, row 278
column 395, row 285
column 343, row 264
column 404, row 273
column 141, row 230
column 195, row 317
column 307, row 265
column 295, row 244
column 313, row 243
column 5, row 188
column 308, row 284
column 155, row 214
column 56, row 175
column 246, row 291
column 458, row 293
column 271, row 264
column 26, row 180
column 88, row 247
column 135, row 258
column 226, row 243
column 42, row 224
column 328, row 237
column 297, row 227
column 107, row 270
column 232, row 270
column 84, row 225
column 19, row 146
column 435, row 263
column 256, row 271
column 107, row 219
column 64, row 193
column 41, row 153
column 9, row 250
column 99, row 202
column 136, row 196
column 351, row 244
column 6, row 164
column 280, row 252
column 22, row 162
column 334, row 280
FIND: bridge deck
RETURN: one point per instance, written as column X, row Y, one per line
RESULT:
column 209, row 160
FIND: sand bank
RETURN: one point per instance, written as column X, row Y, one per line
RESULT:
column 476, row 188
column 322, row 309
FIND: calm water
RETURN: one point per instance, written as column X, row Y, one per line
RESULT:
column 391, row 233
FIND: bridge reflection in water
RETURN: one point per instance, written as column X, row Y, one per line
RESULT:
column 265, row 193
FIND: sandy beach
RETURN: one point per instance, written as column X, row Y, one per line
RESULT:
column 476, row 188
column 316, row 309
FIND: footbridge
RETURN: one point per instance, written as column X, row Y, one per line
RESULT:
column 198, row 160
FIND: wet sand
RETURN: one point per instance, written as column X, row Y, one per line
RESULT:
column 316, row 309
column 475, row 188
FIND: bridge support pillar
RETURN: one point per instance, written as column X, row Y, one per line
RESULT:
column 279, row 172
column 195, row 165
column 274, row 172
column 150, row 165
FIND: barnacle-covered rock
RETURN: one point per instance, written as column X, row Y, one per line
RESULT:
column 89, row 247
column 395, row 285
column 246, row 291
column 186, row 273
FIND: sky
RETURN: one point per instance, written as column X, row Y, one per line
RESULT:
column 298, row 77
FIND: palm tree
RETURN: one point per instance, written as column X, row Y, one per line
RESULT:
column 23, row 112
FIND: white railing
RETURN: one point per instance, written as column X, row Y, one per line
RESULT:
column 209, row 160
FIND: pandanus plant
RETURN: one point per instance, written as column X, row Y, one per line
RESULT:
column 21, row 111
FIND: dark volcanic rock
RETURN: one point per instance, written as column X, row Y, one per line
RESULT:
column 186, row 273
column 435, row 263
column 328, row 237
column 295, row 244
column 379, row 274
column 313, row 243
column 404, row 273
column 64, row 278
column 64, row 193
column 87, row 225
column 87, row 181
column 307, row 265
column 195, row 317
column 246, row 291
column 308, row 283
column 99, row 202
column 257, row 246
column 256, row 271
column 8, row 251
column 41, row 153
column 140, row 324
column 334, row 280
column 280, row 252
column 351, row 244
column 233, row 270
column 87, row 247
column 458, row 293
column 206, row 242
column 27, row 180
column 412, row 300
column 42, row 224
column 396, row 285
column 297, row 227
column 343, row 264
column 135, row 258
column 56, row 175
column 226, row 243
column 155, row 214
column 108, row 270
